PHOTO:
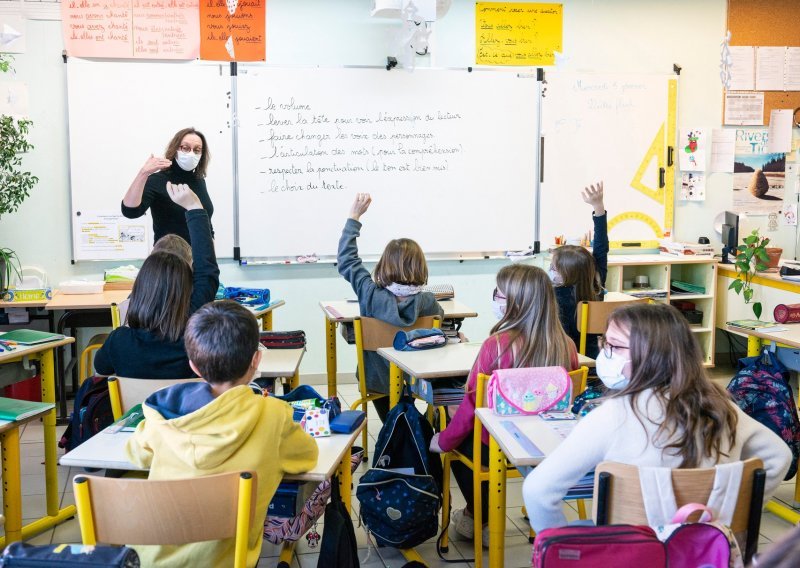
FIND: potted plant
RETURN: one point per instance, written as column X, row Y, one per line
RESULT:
column 751, row 257
column 15, row 183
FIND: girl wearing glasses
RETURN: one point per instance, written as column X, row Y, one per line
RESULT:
column 185, row 162
column 528, row 334
column 663, row 411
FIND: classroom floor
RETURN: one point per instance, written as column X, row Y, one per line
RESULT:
column 518, row 551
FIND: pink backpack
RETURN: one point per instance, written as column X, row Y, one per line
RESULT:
column 610, row 545
column 529, row 390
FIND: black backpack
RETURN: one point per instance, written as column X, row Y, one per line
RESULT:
column 91, row 413
column 338, row 548
column 400, row 495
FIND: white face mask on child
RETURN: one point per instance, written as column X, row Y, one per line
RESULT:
column 403, row 290
column 499, row 308
column 187, row 160
column 609, row 369
column 555, row 277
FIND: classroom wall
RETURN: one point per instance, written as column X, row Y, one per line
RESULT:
column 607, row 35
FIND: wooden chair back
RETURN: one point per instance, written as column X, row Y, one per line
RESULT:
column 126, row 392
column 593, row 317
column 579, row 377
column 618, row 495
column 119, row 313
column 160, row 512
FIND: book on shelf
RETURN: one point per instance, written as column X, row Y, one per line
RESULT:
column 30, row 336
column 13, row 409
column 680, row 287
column 654, row 293
column 686, row 249
column 756, row 325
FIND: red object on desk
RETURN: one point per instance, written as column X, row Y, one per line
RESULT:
column 29, row 389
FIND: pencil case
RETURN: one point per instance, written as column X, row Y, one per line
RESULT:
column 55, row 555
column 283, row 339
column 247, row 296
column 419, row 339
column 347, row 421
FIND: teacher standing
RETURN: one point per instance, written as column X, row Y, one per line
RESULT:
column 185, row 161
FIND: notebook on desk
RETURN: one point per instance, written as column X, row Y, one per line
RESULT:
column 12, row 409
column 30, row 336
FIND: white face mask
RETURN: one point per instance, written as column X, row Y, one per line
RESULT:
column 499, row 308
column 555, row 277
column 609, row 369
column 187, row 160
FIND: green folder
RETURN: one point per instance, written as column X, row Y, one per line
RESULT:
column 13, row 409
column 30, row 336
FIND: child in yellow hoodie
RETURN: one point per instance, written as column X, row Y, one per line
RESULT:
column 198, row 429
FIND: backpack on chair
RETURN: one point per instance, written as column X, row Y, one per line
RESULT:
column 91, row 413
column 400, row 495
column 761, row 389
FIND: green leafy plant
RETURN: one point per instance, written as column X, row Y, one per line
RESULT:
column 751, row 257
column 9, row 266
column 15, row 184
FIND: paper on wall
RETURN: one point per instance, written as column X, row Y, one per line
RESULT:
column 723, row 144
column 517, row 33
column 743, row 68
column 692, row 150
column 744, row 109
column 104, row 235
column 693, row 186
column 791, row 71
column 790, row 215
column 780, row 130
column 769, row 68
column 759, row 177
column 14, row 98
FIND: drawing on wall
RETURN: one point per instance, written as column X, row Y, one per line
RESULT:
column 693, row 150
column 758, row 176
column 693, row 186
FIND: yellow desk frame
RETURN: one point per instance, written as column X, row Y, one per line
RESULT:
column 12, row 488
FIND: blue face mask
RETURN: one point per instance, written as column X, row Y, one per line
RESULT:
column 609, row 369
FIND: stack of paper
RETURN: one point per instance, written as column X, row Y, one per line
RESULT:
column 686, row 249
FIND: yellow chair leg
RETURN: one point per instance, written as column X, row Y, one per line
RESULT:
column 497, row 504
column 581, row 510
column 445, row 502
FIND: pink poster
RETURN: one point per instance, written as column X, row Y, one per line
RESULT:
column 131, row 29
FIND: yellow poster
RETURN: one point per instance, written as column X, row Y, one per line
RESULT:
column 517, row 33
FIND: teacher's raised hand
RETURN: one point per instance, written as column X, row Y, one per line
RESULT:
column 155, row 164
column 182, row 195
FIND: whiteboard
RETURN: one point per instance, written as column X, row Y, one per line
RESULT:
column 122, row 111
column 600, row 127
column 449, row 156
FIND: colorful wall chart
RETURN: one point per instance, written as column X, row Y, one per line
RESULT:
column 131, row 29
column 516, row 33
column 233, row 30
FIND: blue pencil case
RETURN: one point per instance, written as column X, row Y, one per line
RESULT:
column 347, row 421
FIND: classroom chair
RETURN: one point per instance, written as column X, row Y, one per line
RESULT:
column 618, row 497
column 372, row 334
column 161, row 512
column 119, row 313
column 480, row 473
column 126, row 393
column 86, row 362
column 593, row 317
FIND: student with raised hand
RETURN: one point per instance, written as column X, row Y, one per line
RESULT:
column 185, row 162
column 579, row 276
column 218, row 426
column 528, row 334
column 167, row 290
column 393, row 293
column 664, row 411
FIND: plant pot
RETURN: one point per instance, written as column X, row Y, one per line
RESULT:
column 774, row 254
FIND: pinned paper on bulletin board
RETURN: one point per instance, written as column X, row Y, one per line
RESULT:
column 233, row 30
column 131, row 29
column 517, row 33
column 759, row 177
column 692, row 150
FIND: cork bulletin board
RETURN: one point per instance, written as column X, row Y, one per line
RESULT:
column 767, row 23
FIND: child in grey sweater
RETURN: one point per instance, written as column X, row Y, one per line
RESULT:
column 393, row 294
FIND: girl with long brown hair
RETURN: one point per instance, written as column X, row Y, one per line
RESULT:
column 529, row 334
column 663, row 411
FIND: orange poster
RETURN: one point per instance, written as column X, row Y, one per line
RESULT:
column 233, row 30
column 131, row 29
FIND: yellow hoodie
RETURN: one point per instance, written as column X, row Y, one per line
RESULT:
column 188, row 433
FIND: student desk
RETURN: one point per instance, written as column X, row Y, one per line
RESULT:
column 789, row 338
column 9, row 438
column 32, row 304
column 502, row 447
column 107, row 451
column 280, row 363
column 344, row 311
column 452, row 360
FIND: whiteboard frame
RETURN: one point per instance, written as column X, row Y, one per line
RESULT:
column 535, row 73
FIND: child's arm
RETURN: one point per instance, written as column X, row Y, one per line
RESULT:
column 349, row 263
column 593, row 195
column 205, row 272
column 298, row 450
column 138, row 199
